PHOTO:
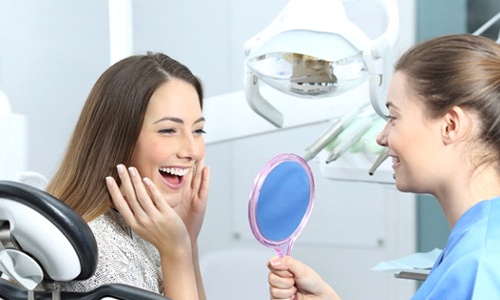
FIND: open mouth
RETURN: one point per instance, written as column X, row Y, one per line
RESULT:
column 173, row 175
column 395, row 161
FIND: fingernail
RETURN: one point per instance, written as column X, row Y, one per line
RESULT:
column 276, row 262
column 109, row 180
column 147, row 181
column 121, row 169
column 132, row 171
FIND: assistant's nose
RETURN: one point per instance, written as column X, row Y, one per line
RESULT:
column 382, row 137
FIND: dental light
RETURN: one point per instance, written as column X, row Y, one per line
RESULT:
column 312, row 50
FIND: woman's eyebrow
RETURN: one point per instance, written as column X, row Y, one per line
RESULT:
column 200, row 119
column 178, row 120
column 173, row 119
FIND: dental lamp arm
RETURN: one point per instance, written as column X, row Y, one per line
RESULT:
column 378, row 59
column 389, row 38
column 377, row 81
column 260, row 105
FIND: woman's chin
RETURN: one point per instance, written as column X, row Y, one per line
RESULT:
column 401, row 185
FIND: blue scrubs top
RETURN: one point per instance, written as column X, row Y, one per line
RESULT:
column 469, row 265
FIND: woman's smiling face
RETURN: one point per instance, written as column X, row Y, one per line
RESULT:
column 171, row 140
column 412, row 138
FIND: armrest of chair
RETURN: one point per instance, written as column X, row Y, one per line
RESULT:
column 11, row 291
column 115, row 291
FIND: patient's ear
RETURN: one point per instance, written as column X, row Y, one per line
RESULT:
column 457, row 125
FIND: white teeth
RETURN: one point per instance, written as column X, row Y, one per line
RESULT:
column 175, row 171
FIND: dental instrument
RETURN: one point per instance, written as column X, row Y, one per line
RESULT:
column 350, row 140
column 325, row 138
column 380, row 159
column 331, row 133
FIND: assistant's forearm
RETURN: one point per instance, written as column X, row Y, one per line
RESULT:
column 197, row 271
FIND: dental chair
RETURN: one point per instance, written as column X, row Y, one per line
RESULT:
column 43, row 243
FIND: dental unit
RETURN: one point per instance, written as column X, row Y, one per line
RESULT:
column 312, row 53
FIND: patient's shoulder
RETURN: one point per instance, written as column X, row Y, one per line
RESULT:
column 110, row 223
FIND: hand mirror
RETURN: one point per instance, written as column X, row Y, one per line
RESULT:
column 281, row 201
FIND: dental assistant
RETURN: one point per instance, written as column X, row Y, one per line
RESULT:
column 134, row 170
column 443, row 135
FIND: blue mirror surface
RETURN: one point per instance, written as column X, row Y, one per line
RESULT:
column 281, row 201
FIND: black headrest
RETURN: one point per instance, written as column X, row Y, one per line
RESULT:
column 74, row 228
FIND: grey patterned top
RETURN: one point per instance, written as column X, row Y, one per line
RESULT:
column 123, row 257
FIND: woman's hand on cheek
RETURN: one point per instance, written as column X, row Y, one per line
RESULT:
column 194, row 201
column 149, row 216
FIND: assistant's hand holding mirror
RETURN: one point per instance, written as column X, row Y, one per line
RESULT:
column 281, row 201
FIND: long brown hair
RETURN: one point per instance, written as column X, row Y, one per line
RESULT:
column 458, row 70
column 108, row 128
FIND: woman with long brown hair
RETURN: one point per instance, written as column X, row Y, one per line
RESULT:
column 134, row 170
